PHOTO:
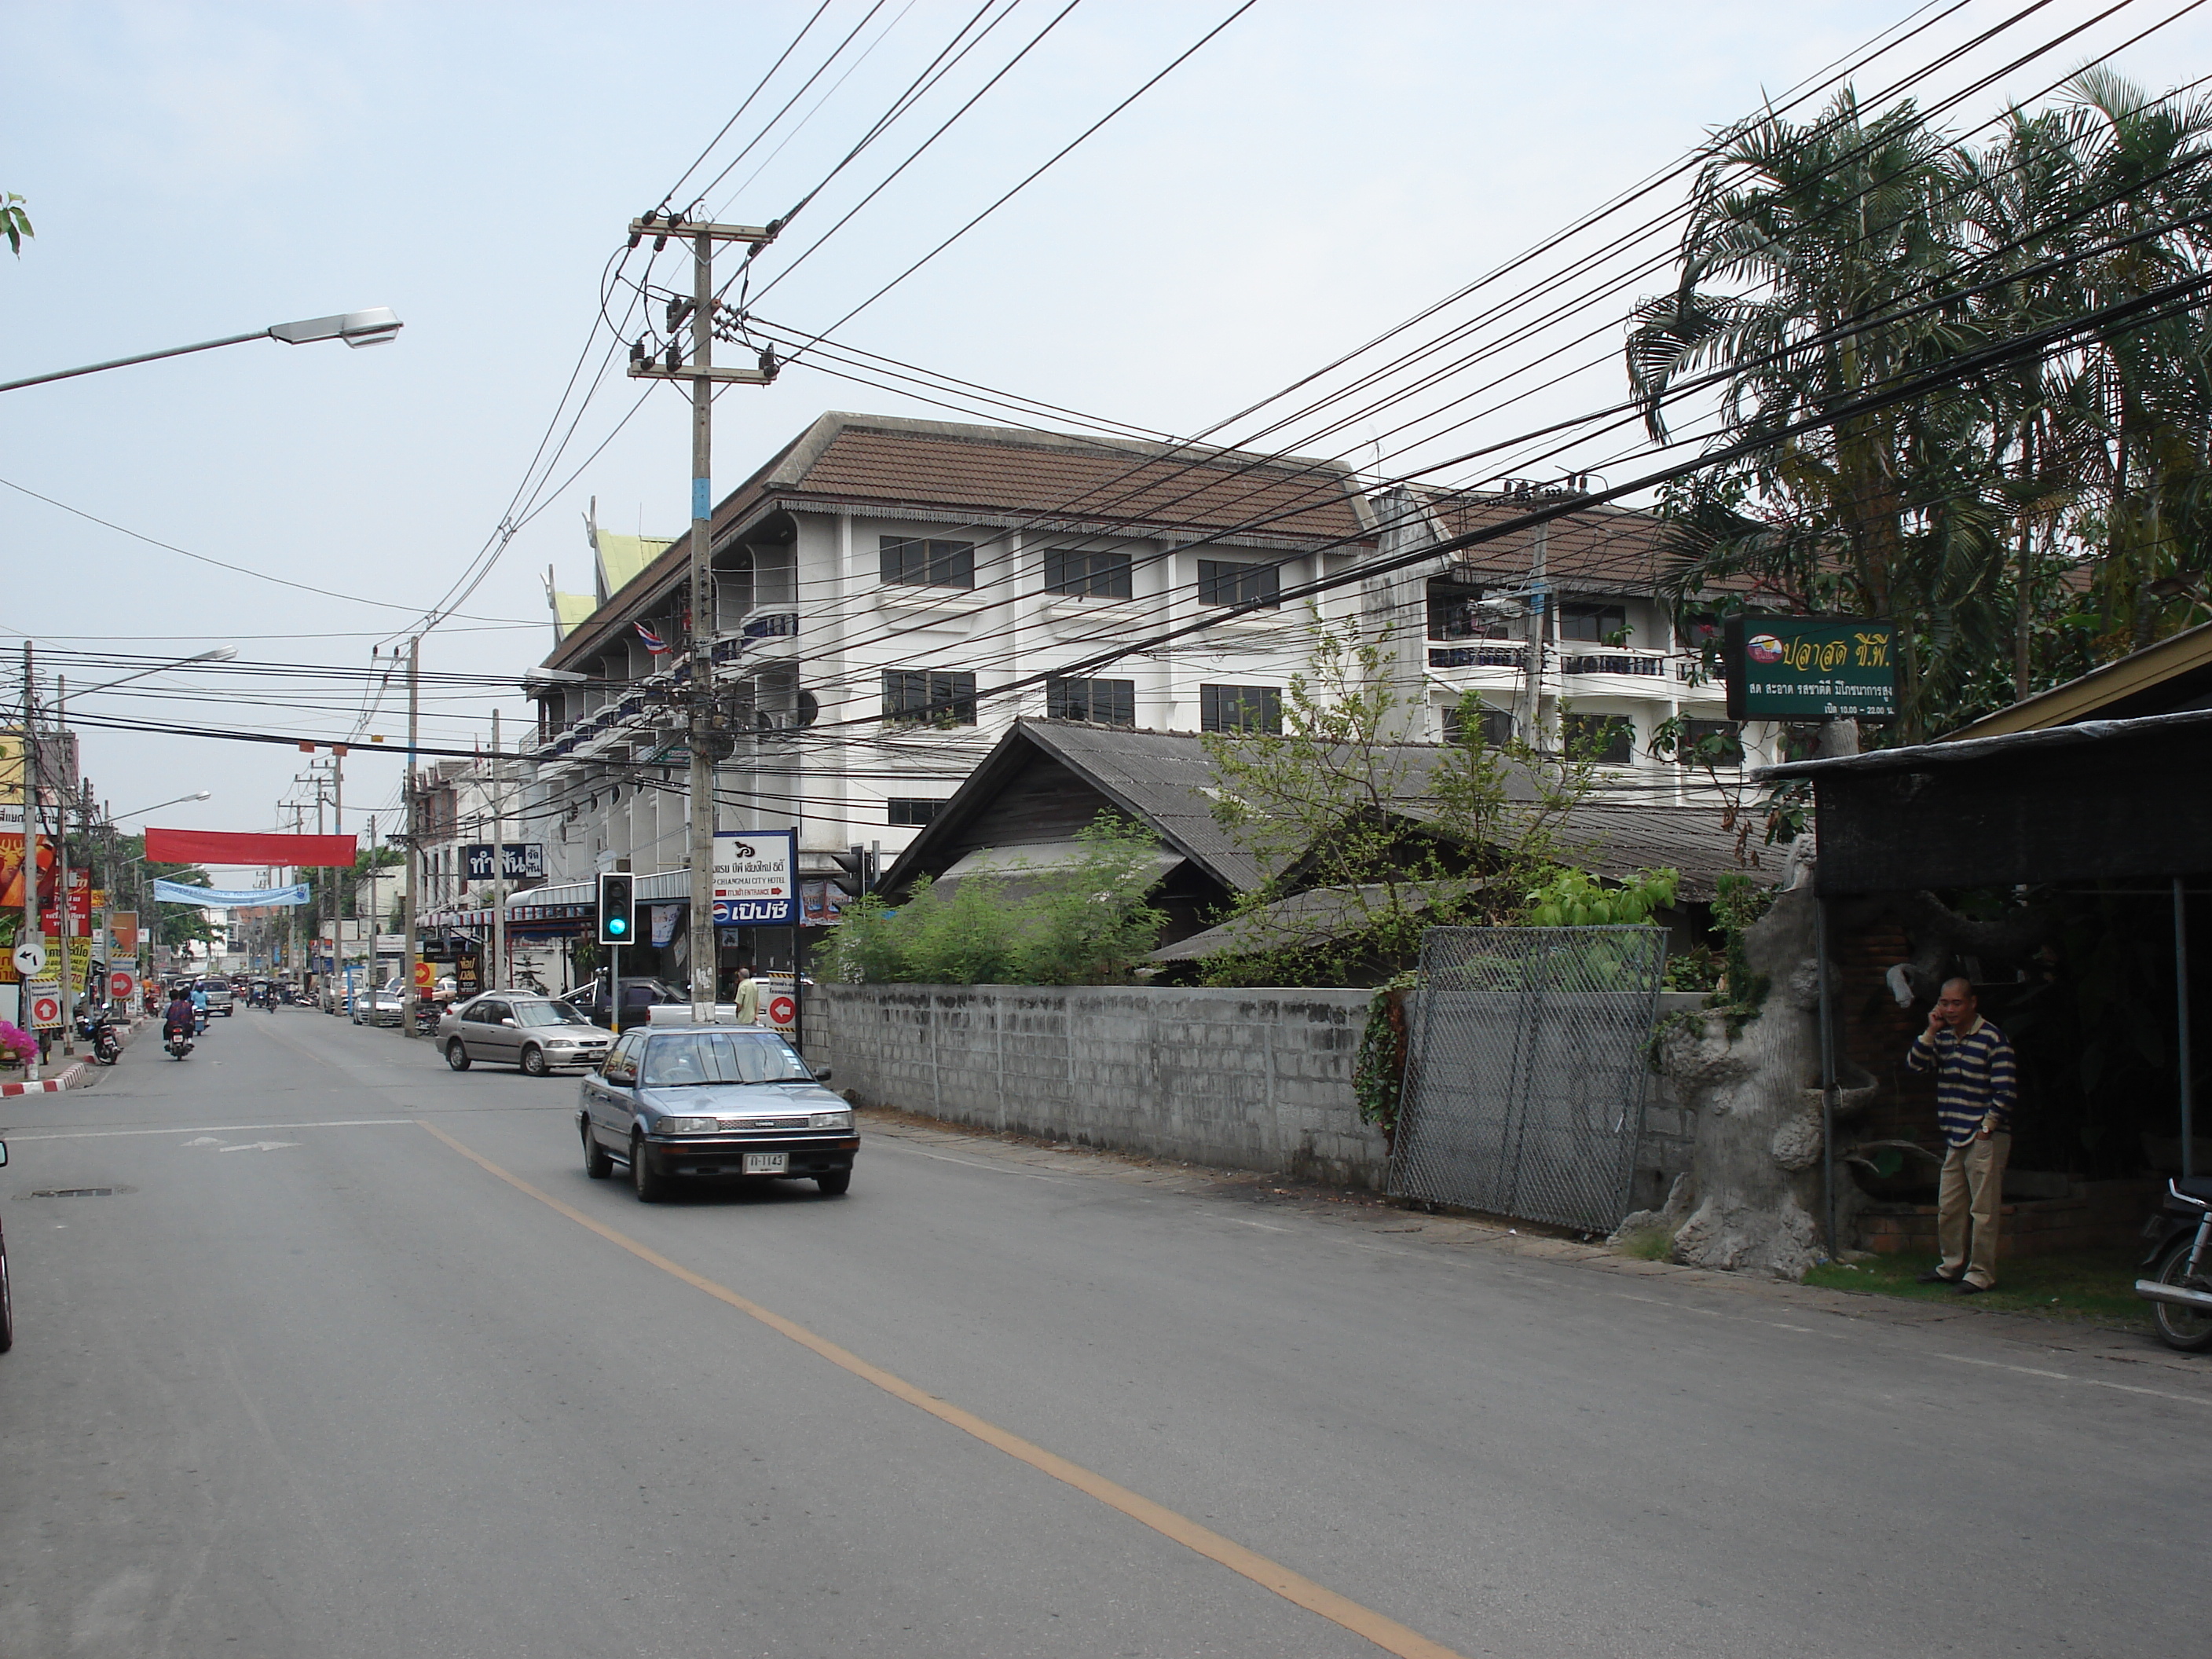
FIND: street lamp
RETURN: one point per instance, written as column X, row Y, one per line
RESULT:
column 376, row 326
column 117, row 817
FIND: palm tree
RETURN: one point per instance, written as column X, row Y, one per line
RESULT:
column 1801, row 242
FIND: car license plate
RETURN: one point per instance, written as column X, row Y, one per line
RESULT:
column 767, row 1163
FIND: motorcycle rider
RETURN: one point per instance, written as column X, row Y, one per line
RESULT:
column 200, row 1004
column 181, row 1019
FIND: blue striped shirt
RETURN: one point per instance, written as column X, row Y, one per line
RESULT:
column 1975, row 1075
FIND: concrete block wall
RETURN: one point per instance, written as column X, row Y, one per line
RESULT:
column 1249, row 1079
column 1253, row 1079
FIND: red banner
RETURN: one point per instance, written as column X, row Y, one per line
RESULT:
column 235, row 847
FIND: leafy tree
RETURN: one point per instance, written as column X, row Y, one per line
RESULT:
column 1402, row 836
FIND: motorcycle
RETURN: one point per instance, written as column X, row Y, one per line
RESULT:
column 2179, row 1287
column 180, row 1044
column 100, row 1031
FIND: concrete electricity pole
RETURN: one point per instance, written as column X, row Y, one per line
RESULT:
column 495, row 976
column 30, row 930
column 409, row 999
column 702, row 374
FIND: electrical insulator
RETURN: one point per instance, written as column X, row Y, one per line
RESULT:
column 674, row 355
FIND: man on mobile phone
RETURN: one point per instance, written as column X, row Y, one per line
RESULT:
column 1977, row 1086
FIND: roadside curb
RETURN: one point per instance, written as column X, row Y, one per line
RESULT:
column 69, row 1077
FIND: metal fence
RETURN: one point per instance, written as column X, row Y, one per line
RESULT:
column 1526, row 1068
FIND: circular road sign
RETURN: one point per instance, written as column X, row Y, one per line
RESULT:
column 121, row 986
column 781, row 1009
column 46, row 1009
column 31, row 958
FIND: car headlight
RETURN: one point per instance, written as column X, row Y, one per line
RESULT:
column 830, row 1121
column 687, row 1126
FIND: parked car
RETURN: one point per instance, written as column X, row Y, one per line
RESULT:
column 221, row 998
column 639, row 994
column 506, row 1027
column 673, row 1102
column 384, row 1005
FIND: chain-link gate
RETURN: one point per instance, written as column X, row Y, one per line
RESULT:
column 1525, row 1071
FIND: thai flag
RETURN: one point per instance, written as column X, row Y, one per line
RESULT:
column 653, row 641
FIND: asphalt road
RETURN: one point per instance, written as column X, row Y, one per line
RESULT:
column 315, row 1382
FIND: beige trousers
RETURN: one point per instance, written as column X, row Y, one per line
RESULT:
column 1971, row 1190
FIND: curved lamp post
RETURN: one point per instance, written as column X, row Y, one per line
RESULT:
column 376, row 326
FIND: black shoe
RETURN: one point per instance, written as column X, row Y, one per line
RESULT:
column 1967, row 1288
column 1936, row 1276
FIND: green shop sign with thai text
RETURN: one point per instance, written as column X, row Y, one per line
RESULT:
column 1810, row 668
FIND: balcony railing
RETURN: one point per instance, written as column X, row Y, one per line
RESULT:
column 1585, row 661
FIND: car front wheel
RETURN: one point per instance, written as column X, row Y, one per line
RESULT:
column 596, row 1164
column 651, row 1188
column 533, row 1061
column 457, row 1056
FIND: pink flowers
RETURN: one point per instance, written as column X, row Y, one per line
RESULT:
column 17, row 1046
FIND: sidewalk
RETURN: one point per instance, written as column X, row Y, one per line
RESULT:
column 1354, row 1216
column 77, row 1074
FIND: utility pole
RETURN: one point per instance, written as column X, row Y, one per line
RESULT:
column 62, row 919
column 29, row 929
column 409, row 999
column 1539, row 612
column 495, row 978
column 702, row 374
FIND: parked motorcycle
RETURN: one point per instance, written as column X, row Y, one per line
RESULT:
column 99, row 1030
column 2179, row 1287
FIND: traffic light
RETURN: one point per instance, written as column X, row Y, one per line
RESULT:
column 618, row 916
column 858, row 868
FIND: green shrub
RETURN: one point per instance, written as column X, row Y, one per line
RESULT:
column 1085, row 924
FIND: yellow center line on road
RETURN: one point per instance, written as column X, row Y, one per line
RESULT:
column 1385, row 1633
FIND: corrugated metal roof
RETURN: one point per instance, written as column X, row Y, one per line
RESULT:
column 1166, row 780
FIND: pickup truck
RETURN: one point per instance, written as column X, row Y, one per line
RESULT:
column 220, row 998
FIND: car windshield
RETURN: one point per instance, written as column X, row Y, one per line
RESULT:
column 680, row 1059
column 547, row 1014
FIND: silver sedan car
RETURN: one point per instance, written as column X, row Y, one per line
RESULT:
column 513, row 1028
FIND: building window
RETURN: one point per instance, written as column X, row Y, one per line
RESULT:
column 929, row 564
column 1452, row 615
column 1239, row 708
column 1087, row 575
column 1103, row 703
column 1716, row 744
column 1606, row 739
column 1494, row 727
column 1223, row 582
column 913, row 814
column 926, row 698
column 1599, row 624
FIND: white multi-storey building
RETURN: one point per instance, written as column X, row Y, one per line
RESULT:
column 889, row 594
column 1615, row 669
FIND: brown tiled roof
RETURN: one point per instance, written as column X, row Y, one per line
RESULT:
column 1011, row 476
column 991, row 473
column 1599, row 550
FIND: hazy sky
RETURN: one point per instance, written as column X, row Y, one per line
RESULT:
column 1317, row 172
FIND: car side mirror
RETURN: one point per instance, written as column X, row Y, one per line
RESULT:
column 3, row 1154
column 822, row 1074
column 507, row 1020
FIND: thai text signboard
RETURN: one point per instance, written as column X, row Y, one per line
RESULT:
column 754, row 872
column 1810, row 668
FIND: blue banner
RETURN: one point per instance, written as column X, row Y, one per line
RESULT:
column 227, row 898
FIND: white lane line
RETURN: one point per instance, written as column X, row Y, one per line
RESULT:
column 261, row 1146
column 2086, row 1382
column 219, row 1129
column 1264, row 1227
